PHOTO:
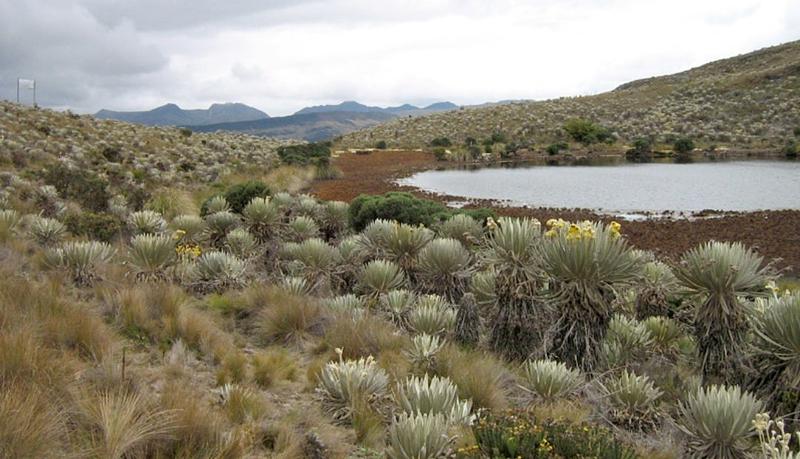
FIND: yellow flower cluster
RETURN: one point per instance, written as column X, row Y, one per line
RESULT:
column 574, row 231
column 468, row 449
column 545, row 445
column 615, row 228
column 188, row 251
column 178, row 234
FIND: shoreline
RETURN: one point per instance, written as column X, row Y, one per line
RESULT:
column 773, row 233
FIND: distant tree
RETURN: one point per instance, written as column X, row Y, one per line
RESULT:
column 556, row 148
column 587, row 132
column 499, row 137
column 381, row 145
column 642, row 145
column 790, row 149
column 797, row 131
column 474, row 151
column 441, row 142
column 469, row 141
column 683, row 145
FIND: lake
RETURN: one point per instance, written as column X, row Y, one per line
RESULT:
column 626, row 188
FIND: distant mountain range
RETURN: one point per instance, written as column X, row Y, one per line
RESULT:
column 321, row 122
column 313, row 126
column 172, row 115
column 355, row 107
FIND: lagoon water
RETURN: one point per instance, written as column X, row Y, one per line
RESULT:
column 623, row 187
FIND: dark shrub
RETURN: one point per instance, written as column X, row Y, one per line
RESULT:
column 683, row 145
column 381, row 145
column 240, row 195
column 790, row 149
column 469, row 141
column 440, row 153
column 441, row 142
column 81, row 185
column 314, row 154
column 474, row 151
column 642, row 150
column 587, row 132
column 797, row 131
column 498, row 137
column 556, row 148
column 398, row 206
column 406, row 208
column 186, row 132
column 99, row 226
column 111, row 154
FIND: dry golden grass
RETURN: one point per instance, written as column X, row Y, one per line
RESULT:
column 200, row 431
column 363, row 337
column 232, row 369
column 122, row 424
column 31, row 426
column 273, row 365
column 287, row 318
column 478, row 375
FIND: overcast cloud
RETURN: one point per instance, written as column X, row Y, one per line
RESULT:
column 282, row 55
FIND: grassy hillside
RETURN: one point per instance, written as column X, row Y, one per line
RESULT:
column 748, row 101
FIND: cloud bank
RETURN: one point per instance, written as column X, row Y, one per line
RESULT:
column 281, row 55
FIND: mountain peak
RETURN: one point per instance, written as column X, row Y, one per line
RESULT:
column 171, row 114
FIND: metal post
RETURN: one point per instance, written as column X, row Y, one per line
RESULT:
column 17, row 90
column 34, row 93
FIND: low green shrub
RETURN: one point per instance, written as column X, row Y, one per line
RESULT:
column 237, row 196
column 556, row 148
column 313, row 154
column 405, row 208
column 790, row 149
column 516, row 434
column 398, row 206
column 85, row 187
column 683, row 145
column 101, row 226
column 441, row 142
column 587, row 132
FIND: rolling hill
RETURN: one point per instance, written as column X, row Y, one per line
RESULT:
column 750, row 101
column 172, row 115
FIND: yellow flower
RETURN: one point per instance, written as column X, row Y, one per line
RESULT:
column 772, row 286
column 574, row 232
column 588, row 233
column 178, row 234
column 491, row 224
column 551, row 233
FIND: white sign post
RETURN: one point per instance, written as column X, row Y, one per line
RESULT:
column 25, row 83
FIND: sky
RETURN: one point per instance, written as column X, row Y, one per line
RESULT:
column 282, row 55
